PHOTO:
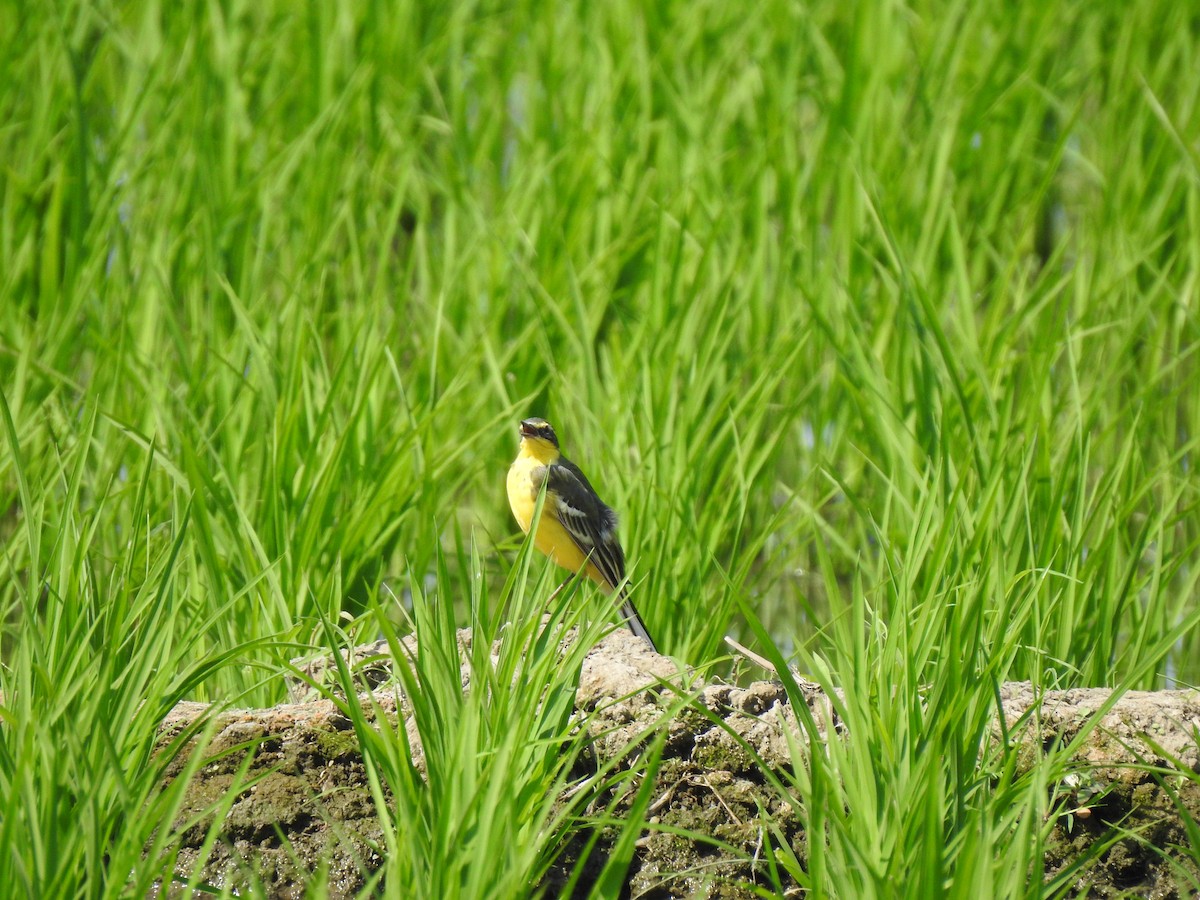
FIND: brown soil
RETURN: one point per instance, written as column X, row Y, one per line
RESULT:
column 310, row 809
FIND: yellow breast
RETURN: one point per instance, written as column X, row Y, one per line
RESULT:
column 551, row 538
column 522, row 496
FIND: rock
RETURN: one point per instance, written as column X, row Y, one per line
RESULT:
column 310, row 801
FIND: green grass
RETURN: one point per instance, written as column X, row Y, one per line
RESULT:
column 876, row 322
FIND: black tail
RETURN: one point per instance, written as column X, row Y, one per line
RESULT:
column 634, row 621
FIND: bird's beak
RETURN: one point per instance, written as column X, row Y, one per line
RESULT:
column 527, row 430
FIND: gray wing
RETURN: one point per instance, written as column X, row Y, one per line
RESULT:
column 591, row 524
column 593, row 528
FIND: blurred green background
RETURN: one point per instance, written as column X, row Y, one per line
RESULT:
column 877, row 322
column 779, row 275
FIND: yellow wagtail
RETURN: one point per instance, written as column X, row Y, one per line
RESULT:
column 576, row 529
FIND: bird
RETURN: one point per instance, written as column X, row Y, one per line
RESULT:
column 577, row 530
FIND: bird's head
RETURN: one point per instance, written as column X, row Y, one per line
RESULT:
column 538, row 437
